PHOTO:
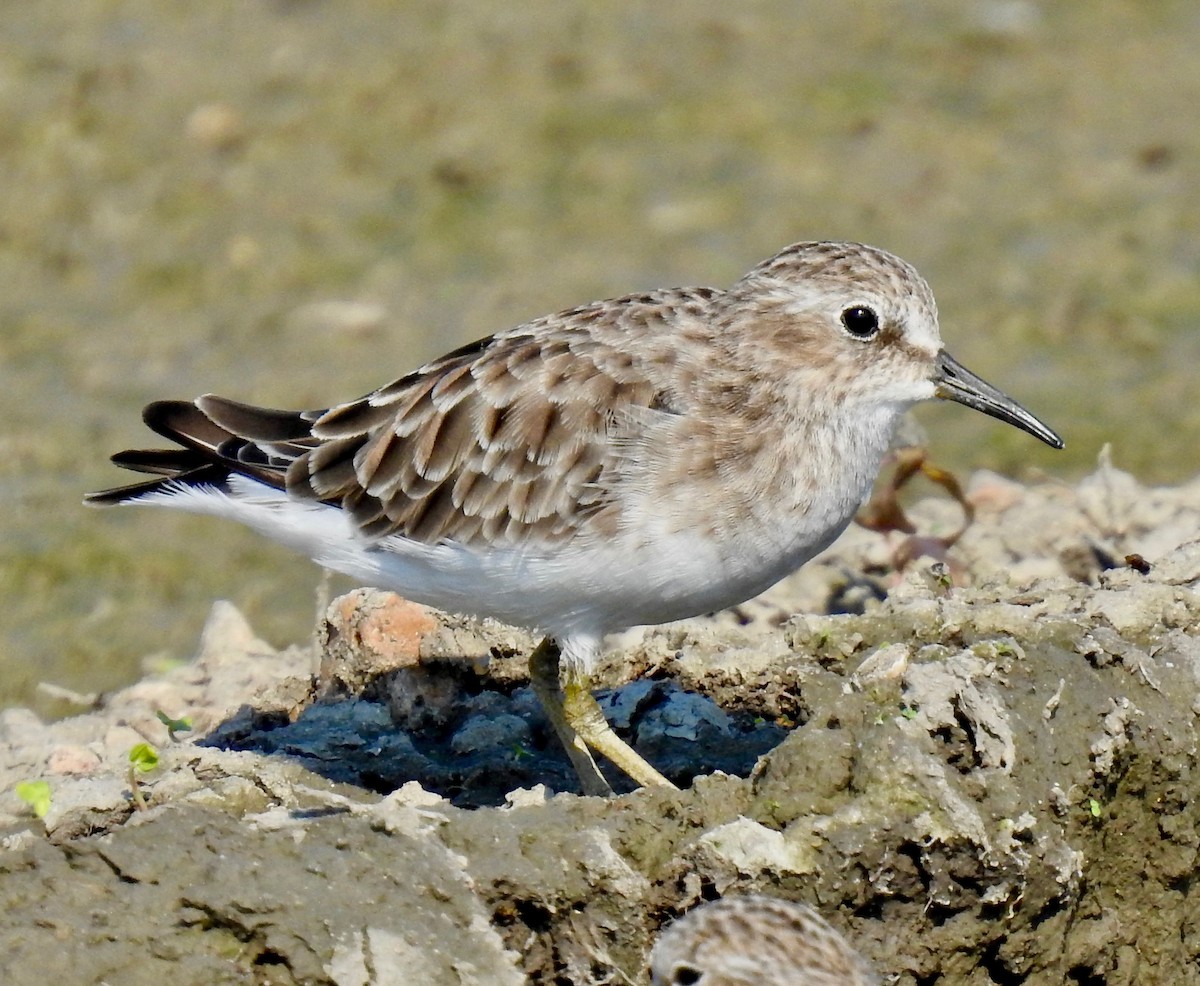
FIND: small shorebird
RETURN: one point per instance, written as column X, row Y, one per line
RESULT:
column 631, row 461
column 755, row 941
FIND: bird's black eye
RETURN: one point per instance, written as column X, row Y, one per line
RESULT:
column 685, row 975
column 860, row 322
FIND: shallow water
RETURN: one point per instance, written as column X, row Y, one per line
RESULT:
column 291, row 202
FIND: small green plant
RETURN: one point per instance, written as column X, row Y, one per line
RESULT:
column 939, row 572
column 36, row 794
column 181, row 725
column 909, row 711
column 519, row 752
column 1095, row 808
column 143, row 758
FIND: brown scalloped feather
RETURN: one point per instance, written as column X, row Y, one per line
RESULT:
column 505, row 439
column 516, row 437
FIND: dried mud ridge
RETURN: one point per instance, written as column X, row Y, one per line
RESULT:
column 987, row 783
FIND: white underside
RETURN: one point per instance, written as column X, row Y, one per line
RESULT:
column 574, row 592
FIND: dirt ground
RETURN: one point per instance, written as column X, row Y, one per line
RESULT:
column 987, row 776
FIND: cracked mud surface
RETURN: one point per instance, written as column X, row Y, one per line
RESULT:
column 991, row 782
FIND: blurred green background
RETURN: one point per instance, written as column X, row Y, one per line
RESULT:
column 292, row 202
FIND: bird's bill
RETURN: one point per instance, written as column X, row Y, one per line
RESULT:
column 954, row 382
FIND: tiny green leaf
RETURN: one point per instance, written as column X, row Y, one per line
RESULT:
column 144, row 757
column 1094, row 807
column 181, row 725
column 36, row 794
column 909, row 712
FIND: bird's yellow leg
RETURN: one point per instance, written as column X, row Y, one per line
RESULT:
column 581, row 726
column 544, row 678
column 585, row 717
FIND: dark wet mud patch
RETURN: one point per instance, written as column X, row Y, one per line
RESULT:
column 481, row 745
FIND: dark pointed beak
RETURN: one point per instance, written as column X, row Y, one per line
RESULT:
column 954, row 382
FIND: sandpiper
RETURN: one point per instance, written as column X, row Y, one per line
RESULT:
column 631, row 461
column 755, row 941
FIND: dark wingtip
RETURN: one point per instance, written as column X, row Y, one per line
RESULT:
column 184, row 422
column 256, row 424
column 121, row 494
column 209, row 474
column 159, row 462
column 157, row 412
